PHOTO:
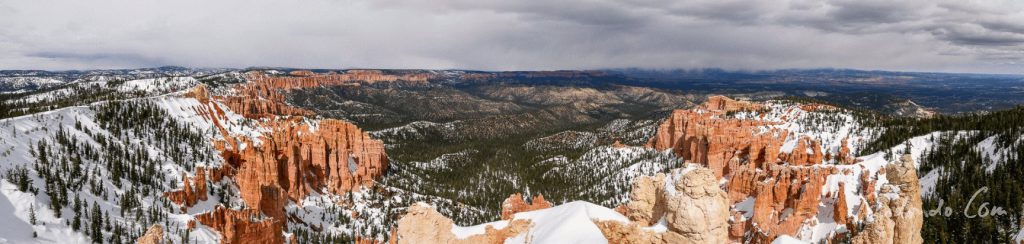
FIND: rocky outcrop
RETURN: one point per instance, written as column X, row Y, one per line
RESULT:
column 515, row 204
column 786, row 187
column 294, row 159
column 423, row 224
column 199, row 92
column 898, row 216
column 155, row 235
column 708, row 137
column 778, row 190
column 192, row 191
column 722, row 103
column 644, row 197
column 695, row 210
column 243, row 226
column 799, row 156
column 840, row 211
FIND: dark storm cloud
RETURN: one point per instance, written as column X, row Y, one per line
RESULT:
column 947, row 35
column 100, row 58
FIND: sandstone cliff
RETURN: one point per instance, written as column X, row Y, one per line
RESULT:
column 423, row 224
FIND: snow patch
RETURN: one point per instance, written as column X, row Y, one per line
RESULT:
column 572, row 222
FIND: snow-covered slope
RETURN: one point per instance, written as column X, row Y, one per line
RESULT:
column 571, row 222
column 19, row 84
column 68, row 153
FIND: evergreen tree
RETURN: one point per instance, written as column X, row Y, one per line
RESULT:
column 76, row 222
column 32, row 214
column 96, row 223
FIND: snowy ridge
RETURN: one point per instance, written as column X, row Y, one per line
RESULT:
column 571, row 222
column 165, row 84
column 20, row 84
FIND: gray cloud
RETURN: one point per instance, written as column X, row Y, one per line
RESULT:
column 943, row 35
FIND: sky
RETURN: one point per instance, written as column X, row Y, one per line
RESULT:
column 909, row 35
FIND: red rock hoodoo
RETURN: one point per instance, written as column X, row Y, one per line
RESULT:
column 189, row 195
column 515, row 204
column 786, row 187
column 297, row 160
column 293, row 158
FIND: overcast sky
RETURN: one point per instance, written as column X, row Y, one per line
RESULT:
column 912, row 35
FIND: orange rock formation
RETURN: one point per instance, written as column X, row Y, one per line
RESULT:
column 515, row 204
column 294, row 158
column 708, row 138
column 190, row 194
column 786, row 186
column 240, row 227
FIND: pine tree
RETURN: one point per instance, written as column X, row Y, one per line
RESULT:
column 32, row 214
column 76, row 222
column 96, row 223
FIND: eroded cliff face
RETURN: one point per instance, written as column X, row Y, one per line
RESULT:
column 294, row 159
column 423, row 224
column 694, row 210
column 705, row 136
column 775, row 179
column 243, row 226
column 515, row 204
column 292, row 156
column 264, row 95
column 193, row 190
